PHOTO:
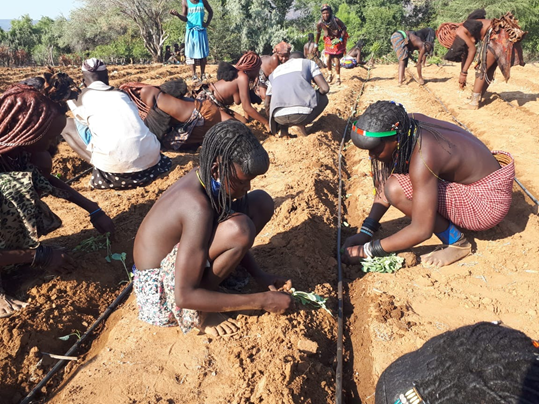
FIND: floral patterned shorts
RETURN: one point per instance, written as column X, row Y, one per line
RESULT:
column 154, row 289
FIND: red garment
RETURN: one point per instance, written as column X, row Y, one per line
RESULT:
column 478, row 206
column 337, row 49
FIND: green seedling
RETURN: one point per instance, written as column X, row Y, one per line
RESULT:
column 120, row 257
column 94, row 243
column 310, row 299
column 385, row 265
column 66, row 337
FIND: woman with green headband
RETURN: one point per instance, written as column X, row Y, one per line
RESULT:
column 436, row 173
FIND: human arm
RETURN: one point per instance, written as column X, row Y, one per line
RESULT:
column 321, row 83
column 243, row 88
column 210, row 13
column 353, row 244
column 424, row 208
column 464, row 34
column 420, row 62
column 197, row 229
column 183, row 16
column 318, row 32
column 103, row 223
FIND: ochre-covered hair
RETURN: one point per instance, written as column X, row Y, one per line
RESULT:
column 249, row 61
column 25, row 116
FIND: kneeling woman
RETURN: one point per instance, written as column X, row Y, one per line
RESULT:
column 436, row 173
column 176, row 121
column 29, row 121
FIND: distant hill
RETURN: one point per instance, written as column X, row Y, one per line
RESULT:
column 5, row 24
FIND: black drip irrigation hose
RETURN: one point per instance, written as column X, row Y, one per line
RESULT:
column 533, row 198
column 77, row 344
column 76, row 177
column 338, row 381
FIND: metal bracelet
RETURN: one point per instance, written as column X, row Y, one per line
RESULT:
column 367, row 249
column 377, row 250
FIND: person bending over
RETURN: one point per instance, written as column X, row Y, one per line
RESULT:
column 233, row 87
column 29, row 121
column 177, row 122
column 108, row 133
column 311, row 52
column 291, row 98
column 436, row 173
column 406, row 42
column 199, row 230
column 499, row 46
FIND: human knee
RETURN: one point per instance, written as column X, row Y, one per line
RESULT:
column 241, row 230
column 394, row 192
column 263, row 203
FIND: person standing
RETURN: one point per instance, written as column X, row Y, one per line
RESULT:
column 335, row 37
column 197, row 47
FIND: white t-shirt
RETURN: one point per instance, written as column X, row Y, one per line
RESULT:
column 120, row 142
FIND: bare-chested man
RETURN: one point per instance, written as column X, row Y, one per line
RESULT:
column 406, row 42
column 434, row 172
column 310, row 51
column 200, row 229
column 233, row 87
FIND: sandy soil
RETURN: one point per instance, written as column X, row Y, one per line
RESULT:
column 290, row 358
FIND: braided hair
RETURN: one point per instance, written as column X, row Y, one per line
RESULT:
column 480, row 363
column 385, row 116
column 25, row 117
column 227, row 143
column 248, row 62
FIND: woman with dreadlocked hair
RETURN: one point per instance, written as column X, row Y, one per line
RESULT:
column 233, row 86
column 199, row 231
column 29, row 121
column 406, row 42
column 500, row 45
column 434, row 172
column 480, row 363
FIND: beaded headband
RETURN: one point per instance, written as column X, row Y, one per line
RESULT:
column 372, row 134
column 410, row 397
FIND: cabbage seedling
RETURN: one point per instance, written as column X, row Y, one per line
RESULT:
column 310, row 299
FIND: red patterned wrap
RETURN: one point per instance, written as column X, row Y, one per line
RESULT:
column 478, row 206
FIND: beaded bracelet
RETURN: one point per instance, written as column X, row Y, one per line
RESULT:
column 371, row 224
column 465, row 73
column 366, row 231
column 95, row 211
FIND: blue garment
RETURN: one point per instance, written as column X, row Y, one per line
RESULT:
column 196, row 37
column 84, row 132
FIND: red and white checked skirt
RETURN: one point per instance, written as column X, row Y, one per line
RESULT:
column 478, row 206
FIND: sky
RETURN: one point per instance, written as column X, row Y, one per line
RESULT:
column 11, row 9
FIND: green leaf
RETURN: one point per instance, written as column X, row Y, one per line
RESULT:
column 65, row 337
column 107, row 258
column 116, row 257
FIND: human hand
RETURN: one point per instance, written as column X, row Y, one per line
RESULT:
column 205, row 24
column 174, row 12
column 353, row 255
column 102, row 223
column 357, row 239
column 277, row 302
column 268, row 128
column 462, row 80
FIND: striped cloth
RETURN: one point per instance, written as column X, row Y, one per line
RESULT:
column 399, row 42
column 478, row 206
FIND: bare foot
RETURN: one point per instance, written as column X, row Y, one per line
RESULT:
column 446, row 254
column 219, row 325
column 8, row 305
column 302, row 130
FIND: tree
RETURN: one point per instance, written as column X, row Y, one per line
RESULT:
column 22, row 34
column 148, row 16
